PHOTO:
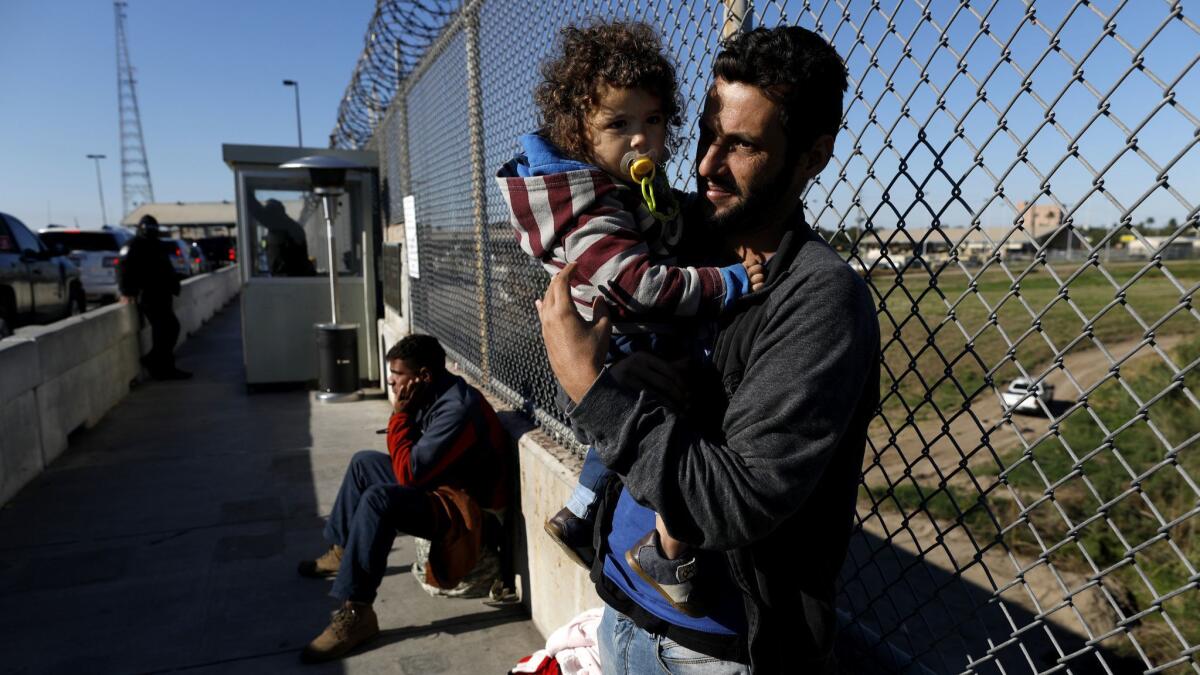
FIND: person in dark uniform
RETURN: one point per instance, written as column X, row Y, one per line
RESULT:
column 148, row 278
column 287, row 245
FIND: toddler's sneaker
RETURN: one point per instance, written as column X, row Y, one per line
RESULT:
column 574, row 536
column 671, row 578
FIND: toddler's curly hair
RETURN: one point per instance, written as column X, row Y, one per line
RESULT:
column 625, row 54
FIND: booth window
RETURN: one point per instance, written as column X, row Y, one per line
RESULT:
column 289, row 229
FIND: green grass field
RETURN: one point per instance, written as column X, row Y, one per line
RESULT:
column 943, row 334
column 1115, row 492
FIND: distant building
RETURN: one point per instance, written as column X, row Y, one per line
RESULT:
column 189, row 220
column 1040, row 220
column 1145, row 247
column 935, row 246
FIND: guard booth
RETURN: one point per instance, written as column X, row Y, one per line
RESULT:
column 284, row 261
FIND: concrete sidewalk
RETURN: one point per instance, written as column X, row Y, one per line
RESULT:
column 166, row 538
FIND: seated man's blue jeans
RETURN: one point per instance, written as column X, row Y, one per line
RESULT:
column 370, row 509
column 627, row 649
column 591, row 479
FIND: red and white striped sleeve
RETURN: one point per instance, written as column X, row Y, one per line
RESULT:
column 578, row 216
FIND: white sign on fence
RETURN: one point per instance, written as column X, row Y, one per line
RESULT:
column 410, row 236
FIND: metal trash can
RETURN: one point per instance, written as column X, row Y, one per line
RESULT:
column 337, row 354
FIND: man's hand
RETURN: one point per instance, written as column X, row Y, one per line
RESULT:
column 408, row 395
column 126, row 300
column 575, row 347
column 644, row 371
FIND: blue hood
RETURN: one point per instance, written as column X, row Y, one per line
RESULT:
column 540, row 157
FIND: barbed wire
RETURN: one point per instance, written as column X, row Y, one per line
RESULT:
column 398, row 36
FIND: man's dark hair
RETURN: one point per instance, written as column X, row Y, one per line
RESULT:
column 623, row 54
column 419, row 351
column 148, row 221
column 795, row 68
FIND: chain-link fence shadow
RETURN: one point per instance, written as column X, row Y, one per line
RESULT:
column 1018, row 186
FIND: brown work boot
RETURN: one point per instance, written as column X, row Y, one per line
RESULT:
column 351, row 625
column 325, row 566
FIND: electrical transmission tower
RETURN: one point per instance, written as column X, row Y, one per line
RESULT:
column 136, row 187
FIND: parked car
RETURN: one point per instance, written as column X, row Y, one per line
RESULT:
column 200, row 264
column 1018, row 395
column 36, row 286
column 180, row 253
column 95, row 251
column 220, row 251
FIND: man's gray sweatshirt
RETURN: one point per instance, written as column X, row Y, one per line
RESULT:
column 775, row 486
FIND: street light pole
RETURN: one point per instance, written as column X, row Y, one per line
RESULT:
column 100, row 187
column 296, row 86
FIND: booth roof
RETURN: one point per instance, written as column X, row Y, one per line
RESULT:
column 176, row 214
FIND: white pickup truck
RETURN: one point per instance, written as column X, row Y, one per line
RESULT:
column 1022, row 395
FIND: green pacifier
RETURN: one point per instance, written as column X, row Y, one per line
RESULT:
column 642, row 170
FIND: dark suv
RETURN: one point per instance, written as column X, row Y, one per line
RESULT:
column 36, row 285
column 219, row 251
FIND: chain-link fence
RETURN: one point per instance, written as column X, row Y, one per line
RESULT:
column 1019, row 186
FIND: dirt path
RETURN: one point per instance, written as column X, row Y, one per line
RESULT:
column 926, row 453
column 927, row 450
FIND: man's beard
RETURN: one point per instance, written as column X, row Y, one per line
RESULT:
column 757, row 201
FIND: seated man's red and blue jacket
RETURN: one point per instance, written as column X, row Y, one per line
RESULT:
column 453, row 440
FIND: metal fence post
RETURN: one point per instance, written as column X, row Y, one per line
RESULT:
column 478, row 176
column 402, row 187
column 737, row 18
column 400, row 113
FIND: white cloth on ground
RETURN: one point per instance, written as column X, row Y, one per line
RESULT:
column 574, row 644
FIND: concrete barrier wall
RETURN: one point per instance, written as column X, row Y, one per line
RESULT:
column 553, row 588
column 85, row 364
column 57, row 378
column 200, row 298
column 20, row 434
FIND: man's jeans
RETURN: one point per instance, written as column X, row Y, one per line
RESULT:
column 625, row 648
column 591, row 479
column 369, row 511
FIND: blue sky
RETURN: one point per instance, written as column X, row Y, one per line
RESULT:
column 1168, row 47
column 208, row 71
column 890, row 82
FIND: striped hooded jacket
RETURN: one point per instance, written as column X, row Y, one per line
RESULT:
column 566, row 211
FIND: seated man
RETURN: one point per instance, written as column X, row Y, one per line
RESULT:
column 447, row 462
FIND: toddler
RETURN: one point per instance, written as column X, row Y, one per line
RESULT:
column 588, row 188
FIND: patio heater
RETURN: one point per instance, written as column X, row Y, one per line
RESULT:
column 337, row 343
